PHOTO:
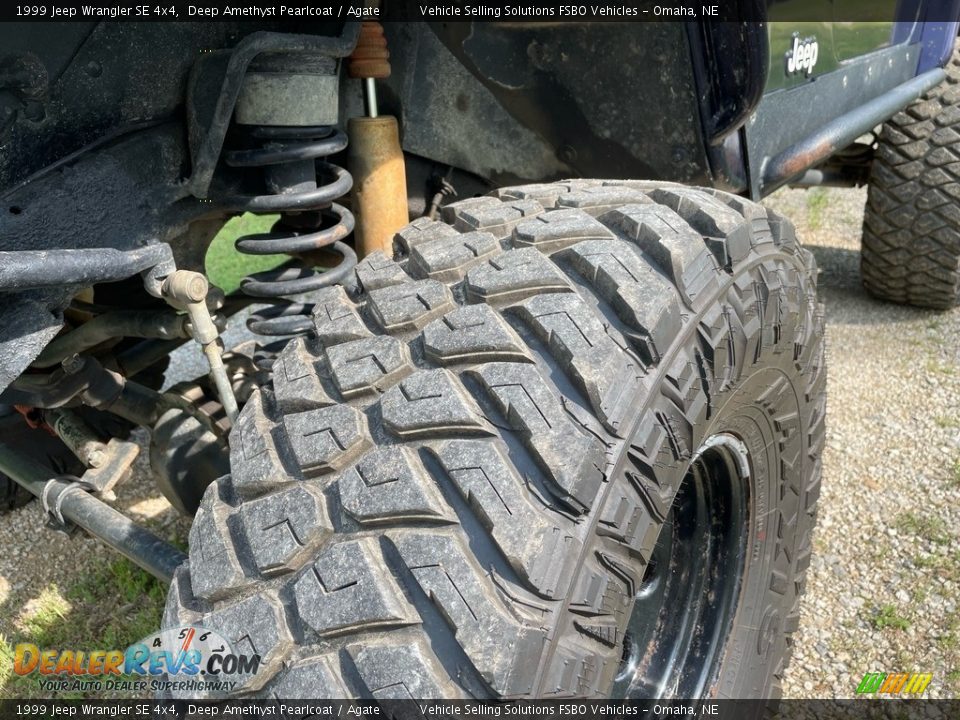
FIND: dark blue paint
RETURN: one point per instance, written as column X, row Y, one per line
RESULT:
column 933, row 24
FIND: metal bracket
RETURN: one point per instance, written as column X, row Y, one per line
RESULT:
column 107, row 463
column 120, row 455
column 52, row 498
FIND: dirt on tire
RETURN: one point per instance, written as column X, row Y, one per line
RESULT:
column 911, row 229
column 453, row 486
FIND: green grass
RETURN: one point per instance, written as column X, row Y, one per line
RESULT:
column 226, row 266
column 47, row 610
column 928, row 527
column 949, row 640
column 953, row 677
column 817, row 201
column 925, row 563
column 941, row 563
column 111, row 608
column 886, row 616
column 955, row 473
column 935, row 367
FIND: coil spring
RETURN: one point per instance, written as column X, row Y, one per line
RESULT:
column 303, row 189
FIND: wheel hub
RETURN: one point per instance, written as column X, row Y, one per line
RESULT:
column 685, row 604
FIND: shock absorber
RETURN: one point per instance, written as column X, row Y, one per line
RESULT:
column 302, row 187
column 376, row 158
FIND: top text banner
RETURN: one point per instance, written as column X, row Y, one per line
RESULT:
column 552, row 11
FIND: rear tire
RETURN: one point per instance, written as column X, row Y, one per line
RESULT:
column 456, row 485
column 911, row 226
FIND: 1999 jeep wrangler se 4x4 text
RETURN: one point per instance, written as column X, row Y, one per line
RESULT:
column 504, row 432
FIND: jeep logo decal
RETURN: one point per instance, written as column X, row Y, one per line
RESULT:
column 803, row 55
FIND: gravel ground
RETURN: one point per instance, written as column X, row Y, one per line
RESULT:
column 884, row 586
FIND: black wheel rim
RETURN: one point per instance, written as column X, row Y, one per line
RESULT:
column 685, row 605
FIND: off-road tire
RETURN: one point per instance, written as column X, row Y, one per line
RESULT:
column 911, row 228
column 453, row 486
